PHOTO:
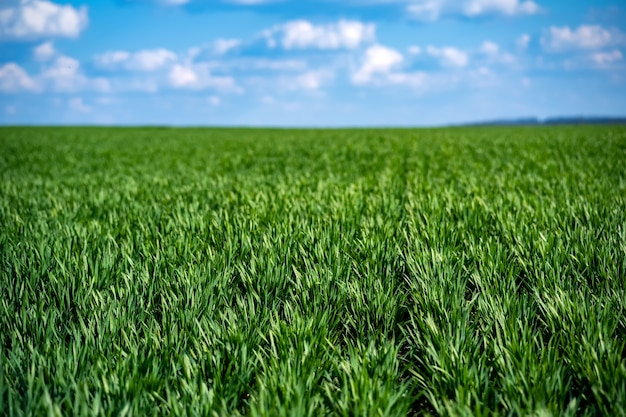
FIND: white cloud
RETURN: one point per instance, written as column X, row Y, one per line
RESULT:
column 311, row 80
column 473, row 8
column 490, row 48
column 214, row 100
column 181, row 76
column 63, row 67
column 556, row 39
column 174, row 2
column 65, row 75
column 261, row 64
column 382, row 66
column 219, row 46
column 150, row 60
column 606, row 58
column 378, row 60
column 62, row 75
column 78, row 105
column 414, row 50
column 45, row 51
column 145, row 60
column 302, row 34
column 428, row 10
column 14, row 79
column 222, row 46
column 523, row 41
column 34, row 19
column 431, row 10
column 492, row 52
column 449, row 56
column 413, row 79
column 111, row 59
column 273, row 65
column 194, row 51
column 199, row 77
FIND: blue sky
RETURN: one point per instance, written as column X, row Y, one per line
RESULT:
column 309, row 63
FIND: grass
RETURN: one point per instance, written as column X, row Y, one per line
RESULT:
column 466, row 271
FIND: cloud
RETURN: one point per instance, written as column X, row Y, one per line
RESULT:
column 382, row 66
column 601, row 60
column 431, row 10
column 35, row 19
column 414, row 50
column 272, row 65
column 311, row 80
column 14, row 79
column 412, row 79
column 214, row 100
column 62, row 75
column 150, row 60
column 378, row 60
column 606, row 58
column 174, row 2
column 488, row 52
column 63, row 67
column 65, row 75
column 78, row 105
column 523, row 41
column 424, row 10
column 199, row 77
column 249, row 64
column 112, row 59
column 45, row 51
column 449, row 56
column 489, row 48
column 492, row 51
column 145, row 60
column 474, row 8
column 428, row 10
column 215, row 48
column 558, row 39
column 302, row 34
column 222, row 46
column 181, row 76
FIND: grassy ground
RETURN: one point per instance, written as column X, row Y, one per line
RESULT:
column 277, row 272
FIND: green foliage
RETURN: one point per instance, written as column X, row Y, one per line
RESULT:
column 473, row 271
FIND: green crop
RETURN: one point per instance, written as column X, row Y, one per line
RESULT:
column 464, row 271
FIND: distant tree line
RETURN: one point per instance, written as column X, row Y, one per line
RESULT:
column 576, row 120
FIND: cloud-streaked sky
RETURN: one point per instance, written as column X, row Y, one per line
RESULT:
column 309, row 63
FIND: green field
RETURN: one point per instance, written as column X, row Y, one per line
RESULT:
column 462, row 271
